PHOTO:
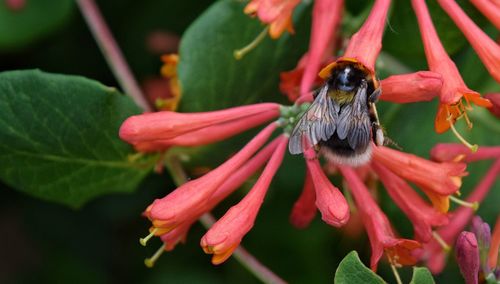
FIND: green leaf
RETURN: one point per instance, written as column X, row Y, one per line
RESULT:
column 32, row 22
column 60, row 137
column 211, row 78
column 352, row 270
column 421, row 275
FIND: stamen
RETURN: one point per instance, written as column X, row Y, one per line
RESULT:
column 150, row 262
column 145, row 240
column 473, row 205
column 441, row 242
column 473, row 148
column 239, row 53
column 396, row 274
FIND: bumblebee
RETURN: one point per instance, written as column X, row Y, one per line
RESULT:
column 342, row 120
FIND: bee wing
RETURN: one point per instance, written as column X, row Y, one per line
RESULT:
column 354, row 121
column 317, row 124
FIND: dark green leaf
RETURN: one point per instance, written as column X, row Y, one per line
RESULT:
column 33, row 21
column 60, row 137
column 352, row 271
column 421, row 275
column 211, row 78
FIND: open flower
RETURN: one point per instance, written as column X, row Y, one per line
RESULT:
column 451, row 106
column 276, row 13
column 422, row 215
column 382, row 238
column 434, row 252
column 437, row 180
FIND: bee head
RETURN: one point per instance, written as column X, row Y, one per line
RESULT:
column 346, row 78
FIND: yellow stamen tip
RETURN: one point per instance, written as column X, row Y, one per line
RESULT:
column 238, row 54
column 441, row 242
column 474, row 148
column 144, row 241
column 474, row 205
column 149, row 263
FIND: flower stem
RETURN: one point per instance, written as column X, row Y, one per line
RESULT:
column 207, row 220
column 112, row 52
column 396, row 274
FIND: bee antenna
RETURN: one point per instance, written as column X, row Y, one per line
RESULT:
column 389, row 142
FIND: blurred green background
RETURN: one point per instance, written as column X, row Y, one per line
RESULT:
column 44, row 242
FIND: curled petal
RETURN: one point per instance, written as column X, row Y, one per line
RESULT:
column 410, row 88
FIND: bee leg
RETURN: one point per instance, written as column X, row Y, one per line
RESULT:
column 378, row 134
column 373, row 98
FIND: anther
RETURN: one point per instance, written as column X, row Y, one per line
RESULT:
column 150, row 262
column 239, row 53
column 441, row 242
column 145, row 240
column 472, row 147
column 473, row 205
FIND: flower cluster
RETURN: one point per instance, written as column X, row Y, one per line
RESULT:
column 439, row 179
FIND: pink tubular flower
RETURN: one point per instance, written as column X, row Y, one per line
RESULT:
column 304, row 209
column 489, row 10
column 486, row 48
column 276, row 13
column 437, row 180
column 413, row 87
column 329, row 200
column 207, row 135
column 226, row 234
column 433, row 251
column 450, row 152
column 326, row 19
column 454, row 89
column 177, row 207
column 365, row 45
column 421, row 214
column 382, row 238
column 495, row 101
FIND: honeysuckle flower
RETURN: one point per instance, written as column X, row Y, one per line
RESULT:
column 304, row 209
column 451, row 106
column 437, row 180
column 226, row 234
column 366, row 43
column 495, row 101
column 467, row 253
column 433, row 252
column 422, row 215
column 493, row 254
column 486, row 48
column 414, row 87
column 447, row 152
column 329, row 200
column 382, row 239
column 326, row 19
column 177, row 207
column 276, row 13
column 154, row 130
